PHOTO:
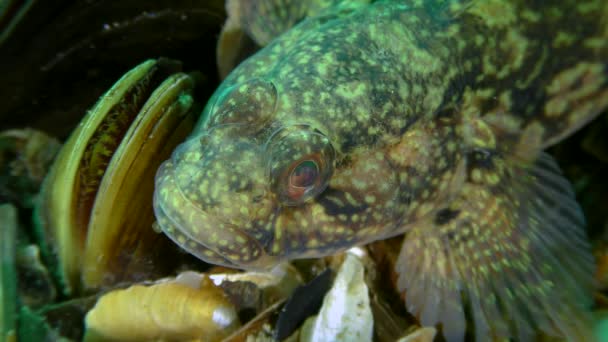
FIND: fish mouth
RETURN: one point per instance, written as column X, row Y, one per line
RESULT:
column 199, row 233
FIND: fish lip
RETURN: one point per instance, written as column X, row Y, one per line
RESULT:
column 170, row 223
column 160, row 211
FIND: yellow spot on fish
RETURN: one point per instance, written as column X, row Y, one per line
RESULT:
column 351, row 90
column 476, row 175
column 495, row 13
column 564, row 39
column 276, row 248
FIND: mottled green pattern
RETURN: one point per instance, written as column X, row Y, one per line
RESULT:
column 263, row 20
column 425, row 117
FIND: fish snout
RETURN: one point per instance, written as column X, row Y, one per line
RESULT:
column 211, row 198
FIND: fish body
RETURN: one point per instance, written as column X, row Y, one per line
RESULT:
column 359, row 120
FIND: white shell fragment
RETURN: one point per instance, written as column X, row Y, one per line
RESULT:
column 281, row 281
column 346, row 314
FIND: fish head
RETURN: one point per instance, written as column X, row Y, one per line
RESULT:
column 249, row 189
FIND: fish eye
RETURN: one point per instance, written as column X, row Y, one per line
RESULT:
column 305, row 175
column 300, row 164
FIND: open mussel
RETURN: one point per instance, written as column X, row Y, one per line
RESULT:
column 95, row 212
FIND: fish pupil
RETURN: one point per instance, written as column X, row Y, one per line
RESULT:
column 304, row 175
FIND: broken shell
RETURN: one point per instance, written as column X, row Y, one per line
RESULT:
column 346, row 314
column 275, row 285
column 281, row 319
column 169, row 310
column 95, row 208
column 259, row 328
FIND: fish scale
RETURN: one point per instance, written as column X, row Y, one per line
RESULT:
column 427, row 118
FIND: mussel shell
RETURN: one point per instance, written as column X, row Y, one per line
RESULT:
column 121, row 247
column 95, row 210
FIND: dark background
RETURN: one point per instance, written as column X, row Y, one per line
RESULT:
column 58, row 57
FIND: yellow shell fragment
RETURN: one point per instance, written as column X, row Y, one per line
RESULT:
column 168, row 311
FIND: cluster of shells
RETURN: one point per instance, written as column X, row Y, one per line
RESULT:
column 91, row 266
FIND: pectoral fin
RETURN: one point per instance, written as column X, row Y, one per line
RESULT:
column 509, row 255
